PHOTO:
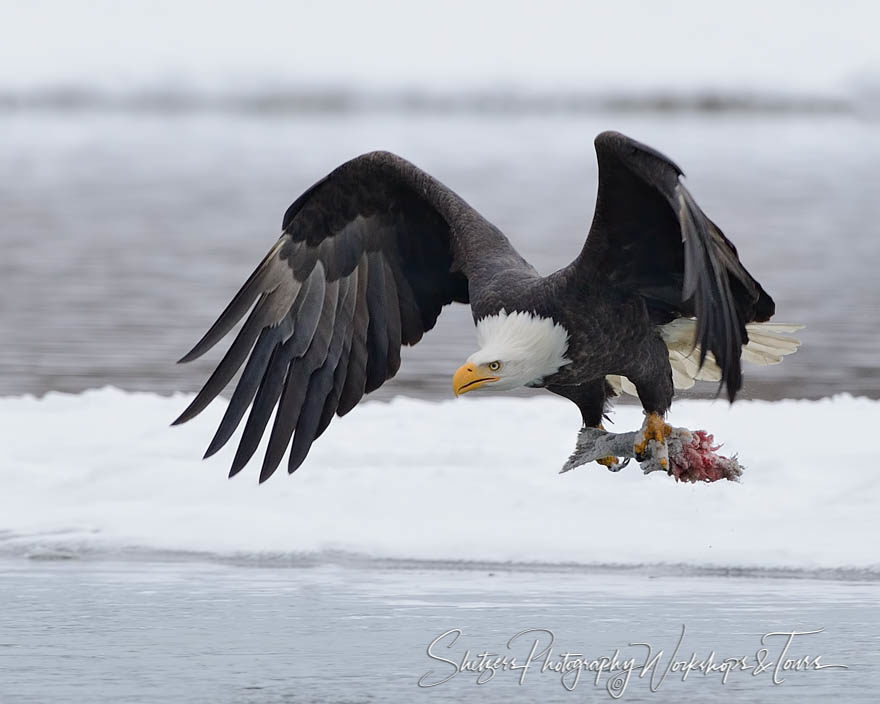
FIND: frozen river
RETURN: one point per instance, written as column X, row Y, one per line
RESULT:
column 192, row 632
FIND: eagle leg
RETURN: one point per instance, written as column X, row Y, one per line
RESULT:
column 650, row 441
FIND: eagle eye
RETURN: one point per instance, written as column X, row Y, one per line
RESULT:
column 494, row 366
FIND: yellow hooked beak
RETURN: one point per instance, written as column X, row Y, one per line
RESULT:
column 471, row 376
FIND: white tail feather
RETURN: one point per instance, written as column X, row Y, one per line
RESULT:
column 768, row 344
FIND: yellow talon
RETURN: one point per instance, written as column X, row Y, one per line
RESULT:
column 609, row 461
column 655, row 428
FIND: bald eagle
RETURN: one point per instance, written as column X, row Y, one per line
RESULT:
column 370, row 254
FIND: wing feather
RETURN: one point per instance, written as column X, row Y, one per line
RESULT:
column 393, row 321
column 340, row 373
column 269, row 310
column 267, row 276
column 296, row 383
column 267, row 396
column 377, row 332
column 321, row 382
column 356, row 379
column 246, row 389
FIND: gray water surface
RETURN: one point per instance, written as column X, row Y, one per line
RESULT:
column 124, row 234
column 187, row 632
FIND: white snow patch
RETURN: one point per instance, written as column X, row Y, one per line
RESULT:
column 457, row 480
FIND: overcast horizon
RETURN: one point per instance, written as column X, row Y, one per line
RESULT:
column 800, row 47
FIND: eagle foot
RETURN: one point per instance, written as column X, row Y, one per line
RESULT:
column 650, row 441
column 611, row 462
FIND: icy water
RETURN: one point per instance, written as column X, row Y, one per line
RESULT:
column 125, row 233
column 187, row 632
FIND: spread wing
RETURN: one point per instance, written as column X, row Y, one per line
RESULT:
column 650, row 237
column 368, row 257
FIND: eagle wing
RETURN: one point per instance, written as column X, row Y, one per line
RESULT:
column 367, row 258
column 649, row 237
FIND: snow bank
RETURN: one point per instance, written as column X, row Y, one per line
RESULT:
column 458, row 480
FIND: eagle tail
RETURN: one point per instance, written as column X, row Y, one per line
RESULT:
column 768, row 344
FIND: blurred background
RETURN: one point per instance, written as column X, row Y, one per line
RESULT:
column 149, row 150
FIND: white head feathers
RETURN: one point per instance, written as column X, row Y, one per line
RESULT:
column 529, row 347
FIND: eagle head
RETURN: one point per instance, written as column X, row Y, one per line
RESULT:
column 516, row 349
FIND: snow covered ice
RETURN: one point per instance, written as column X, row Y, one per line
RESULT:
column 460, row 480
